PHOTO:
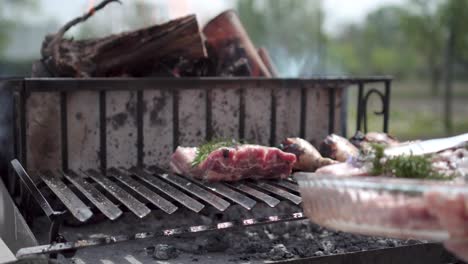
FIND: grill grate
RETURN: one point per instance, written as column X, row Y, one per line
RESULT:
column 136, row 189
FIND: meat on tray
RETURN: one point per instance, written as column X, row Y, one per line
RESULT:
column 234, row 163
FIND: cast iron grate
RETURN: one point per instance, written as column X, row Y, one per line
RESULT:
column 83, row 193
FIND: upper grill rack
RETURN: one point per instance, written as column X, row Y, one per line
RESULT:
column 138, row 190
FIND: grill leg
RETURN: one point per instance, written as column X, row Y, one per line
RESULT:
column 56, row 237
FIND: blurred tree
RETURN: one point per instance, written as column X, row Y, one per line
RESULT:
column 422, row 25
column 291, row 30
column 453, row 13
column 10, row 10
column 377, row 46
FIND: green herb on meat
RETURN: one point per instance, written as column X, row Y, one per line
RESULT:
column 204, row 150
column 404, row 166
column 377, row 153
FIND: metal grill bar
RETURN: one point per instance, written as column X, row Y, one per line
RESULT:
column 137, row 207
column 60, row 247
column 76, row 207
column 155, row 199
column 108, row 208
column 280, row 192
column 194, row 189
column 288, row 185
column 229, row 193
column 271, row 201
column 168, row 189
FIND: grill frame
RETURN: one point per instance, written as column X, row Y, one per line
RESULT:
column 334, row 88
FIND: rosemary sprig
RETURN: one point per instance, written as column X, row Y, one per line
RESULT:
column 404, row 166
column 204, row 150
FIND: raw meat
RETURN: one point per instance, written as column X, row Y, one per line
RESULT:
column 235, row 163
column 361, row 140
column 308, row 158
column 338, row 148
column 344, row 169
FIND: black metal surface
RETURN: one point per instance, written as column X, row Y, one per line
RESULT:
column 33, row 190
column 363, row 100
column 102, row 131
column 302, row 129
column 273, row 118
column 175, row 119
column 229, row 193
column 154, row 198
column 209, row 115
column 359, row 106
column 73, row 204
column 140, row 139
column 171, row 84
column 331, row 110
column 60, row 247
column 108, row 208
column 288, row 185
column 142, row 183
column 169, row 190
column 271, row 201
column 196, row 190
column 64, row 128
column 278, row 191
column 386, row 110
column 242, row 114
column 137, row 207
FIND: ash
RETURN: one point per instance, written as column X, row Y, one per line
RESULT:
column 275, row 242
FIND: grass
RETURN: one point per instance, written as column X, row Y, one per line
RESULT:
column 414, row 113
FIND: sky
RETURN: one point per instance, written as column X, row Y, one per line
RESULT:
column 338, row 12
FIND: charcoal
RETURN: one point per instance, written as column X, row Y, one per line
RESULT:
column 328, row 246
column 165, row 252
column 304, row 248
column 412, row 242
column 353, row 249
column 279, row 252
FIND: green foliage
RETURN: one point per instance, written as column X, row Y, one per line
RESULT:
column 10, row 10
column 416, row 167
column 378, row 155
column 404, row 166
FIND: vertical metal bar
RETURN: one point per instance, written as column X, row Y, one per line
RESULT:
column 273, row 118
column 303, row 113
column 12, row 179
column 102, row 131
column 175, row 119
column 387, row 105
column 140, row 135
column 344, row 112
column 22, row 116
column 359, row 106
column 242, row 114
column 20, row 188
column 64, row 130
column 209, row 115
column 331, row 110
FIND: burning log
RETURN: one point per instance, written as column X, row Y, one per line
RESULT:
column 265, row 56
column 171, row 49
column 230, row 46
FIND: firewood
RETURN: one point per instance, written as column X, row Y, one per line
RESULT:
column 229, row 44
column 168, row 49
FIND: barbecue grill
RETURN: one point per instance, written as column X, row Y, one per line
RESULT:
column 99, row 148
